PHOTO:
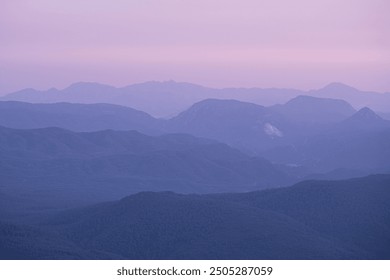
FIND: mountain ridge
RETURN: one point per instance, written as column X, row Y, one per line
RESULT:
column 326, row 223
column 174, row 97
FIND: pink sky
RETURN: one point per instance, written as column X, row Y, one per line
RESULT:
column 220, row 43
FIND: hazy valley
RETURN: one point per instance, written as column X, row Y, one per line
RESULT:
column 230, row 174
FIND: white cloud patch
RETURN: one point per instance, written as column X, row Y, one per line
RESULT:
column 271, row 130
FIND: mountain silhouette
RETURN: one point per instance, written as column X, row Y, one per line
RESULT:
column 243, row 125
column 353, row 212
column 366, row 119
column 165, row 99
column 313, row 109
column 357, row 98
column 345, row 219
column 77, row 117
column 111, row 164
column 172, row 226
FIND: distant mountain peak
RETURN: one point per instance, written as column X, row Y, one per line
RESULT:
column 318, row 100
column 336, row 86
column 305, row 108
column 304, row 99
column 164, row 85
column 87, row 86
column 222, row 106
column 366, row 114
column 366, row 118
column 223, row 102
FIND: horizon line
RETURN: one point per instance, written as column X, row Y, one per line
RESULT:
column 172, row 81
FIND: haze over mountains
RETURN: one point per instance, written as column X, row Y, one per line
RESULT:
column 295, row 168
column 170, row 98
column 308, row 133
column 110, row 164
column 76, row 117
column 225, row 162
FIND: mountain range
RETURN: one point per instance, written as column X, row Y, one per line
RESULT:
column 111, row 164
column 234, row 176
column 316, row 134
column 166, row 99
column 76, row 117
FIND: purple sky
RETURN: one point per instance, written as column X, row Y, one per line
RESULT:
column 221, row 43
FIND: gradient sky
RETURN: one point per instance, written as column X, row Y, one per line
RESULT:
column 221, row 43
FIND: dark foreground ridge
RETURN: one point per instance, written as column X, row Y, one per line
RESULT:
column 347, row 219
